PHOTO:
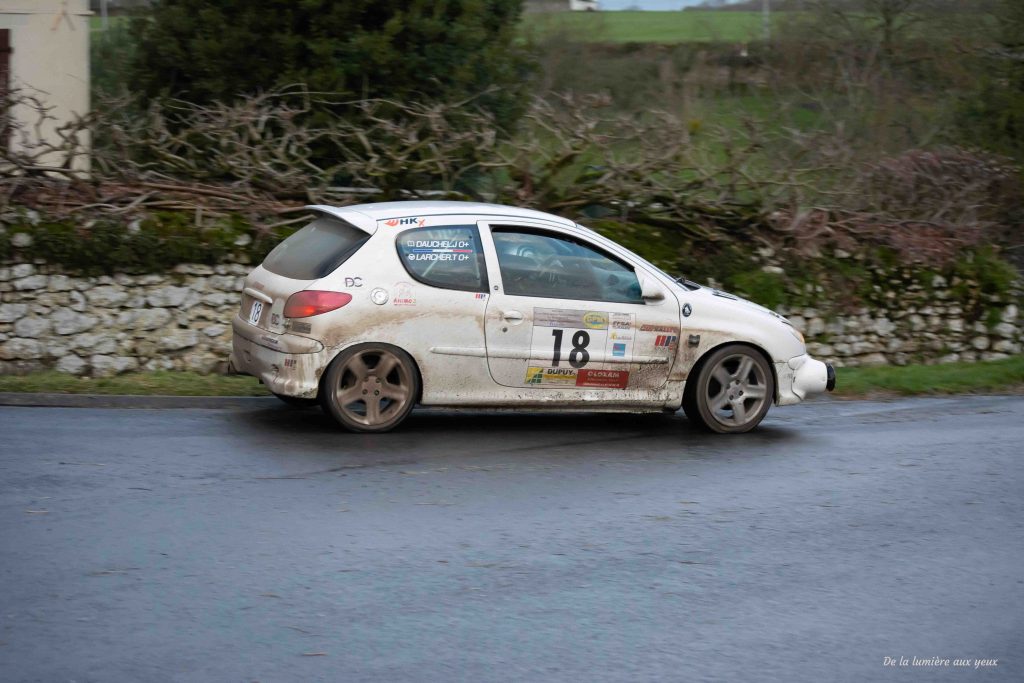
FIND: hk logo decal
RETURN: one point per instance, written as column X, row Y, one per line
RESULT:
column 419, row 222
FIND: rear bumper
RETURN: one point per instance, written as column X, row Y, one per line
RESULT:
column 801, row 377
column 288, row 364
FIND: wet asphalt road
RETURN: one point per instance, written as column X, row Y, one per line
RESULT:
column 257, row 543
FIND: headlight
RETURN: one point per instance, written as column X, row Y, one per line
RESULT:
column 797, row 333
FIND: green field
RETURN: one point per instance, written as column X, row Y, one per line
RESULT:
column 647, row 27
column 621, row 27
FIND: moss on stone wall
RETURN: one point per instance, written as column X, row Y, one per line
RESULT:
column 835, row 281
column 154, row 244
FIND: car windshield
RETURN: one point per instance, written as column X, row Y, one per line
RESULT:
column 316, row 250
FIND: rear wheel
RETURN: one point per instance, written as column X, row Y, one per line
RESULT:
column 370, row 387
column 732, row 392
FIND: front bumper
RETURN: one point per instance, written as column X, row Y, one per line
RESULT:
column 801, row 377
column 287, row 364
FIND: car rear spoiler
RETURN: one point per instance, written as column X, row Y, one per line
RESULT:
column 350, row 216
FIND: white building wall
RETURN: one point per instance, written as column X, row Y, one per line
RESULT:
column 49, row 58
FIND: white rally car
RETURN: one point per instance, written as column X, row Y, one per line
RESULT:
column 375, row 308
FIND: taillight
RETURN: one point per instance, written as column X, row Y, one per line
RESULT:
column 314, row 302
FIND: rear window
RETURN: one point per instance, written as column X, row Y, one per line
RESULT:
column 448, row 257
column 316, row 250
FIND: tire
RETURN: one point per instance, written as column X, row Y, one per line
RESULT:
column 370, row 388
column 732, row 391
column 296, row 402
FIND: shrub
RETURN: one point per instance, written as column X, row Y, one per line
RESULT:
column 437, row 51
column 160, row 242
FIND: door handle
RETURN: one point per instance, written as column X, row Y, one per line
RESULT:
column 512, row 316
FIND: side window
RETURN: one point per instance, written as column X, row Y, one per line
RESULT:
column 542, row 264
column 448, row 257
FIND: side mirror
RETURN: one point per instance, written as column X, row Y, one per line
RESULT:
column 650, row 290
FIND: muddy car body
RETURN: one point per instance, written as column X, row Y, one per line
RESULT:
column 374, row 308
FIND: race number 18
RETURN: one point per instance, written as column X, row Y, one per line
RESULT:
column 578, row 356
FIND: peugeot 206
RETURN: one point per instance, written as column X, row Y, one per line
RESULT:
column 373, row 309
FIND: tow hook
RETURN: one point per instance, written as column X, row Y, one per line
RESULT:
column 830, row 373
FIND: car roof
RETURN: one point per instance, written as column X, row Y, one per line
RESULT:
column 365, row 216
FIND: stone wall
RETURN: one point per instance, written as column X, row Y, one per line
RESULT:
column 936, row 333
column 181, row 320
column 107, row 325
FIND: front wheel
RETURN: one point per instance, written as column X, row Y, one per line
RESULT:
column 370, row 387
column 732, row 392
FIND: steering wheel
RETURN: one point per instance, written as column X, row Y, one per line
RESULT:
column 550, row 267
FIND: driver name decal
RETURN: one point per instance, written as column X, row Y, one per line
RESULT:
column 438, row 250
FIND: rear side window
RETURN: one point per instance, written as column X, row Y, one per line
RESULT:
column 448, row 257
column 316, row 250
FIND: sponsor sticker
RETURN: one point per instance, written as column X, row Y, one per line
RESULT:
column 354, row 282
column 570, row 319
column 603, row 379
column 622, row 321
column 403, row 295
column 565, row 377
column 395, row 222
column 300, row 327
column 666, row 340
column 659, row 328
column 289, row 362
column 569, row 377
column 594, row 320
column 479, row 295
column 619, row 350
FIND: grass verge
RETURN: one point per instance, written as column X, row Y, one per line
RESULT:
column 954, row 378
column 136, row 384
